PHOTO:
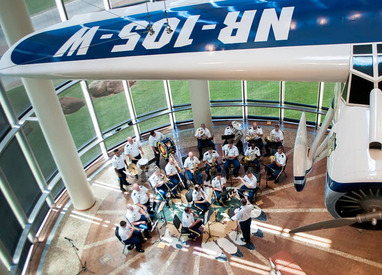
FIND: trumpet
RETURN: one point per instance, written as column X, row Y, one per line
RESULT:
column 177, row 169
column 251, row 137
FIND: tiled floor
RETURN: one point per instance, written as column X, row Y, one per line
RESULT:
column 345, row 250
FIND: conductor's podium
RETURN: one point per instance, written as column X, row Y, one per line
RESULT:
column 283, row 263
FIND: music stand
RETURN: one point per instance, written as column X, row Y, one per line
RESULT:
column 210, row 212
column 83, row 265
column 231, row 213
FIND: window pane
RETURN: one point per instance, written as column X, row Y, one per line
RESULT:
column 183, row 115
column 121, row 3
column 16, row 94
column 302, row 92
column 180, row 92
column 10, row 229
column 328, row 94
column 227, row 111
column 4, row 124
column 43, row 13
column 223, row 90
column 81, row 7
column 57, row 189
column 119, row 137
column 263, row 90
column 91, row 155
column 263, row 111
column 77, row 115
column 110, row 103
column 40, row 148
column 148, row 96
column 297, row 115
column 154, row 123
column 19, row 176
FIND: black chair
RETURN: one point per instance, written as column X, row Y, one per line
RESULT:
column 129, row 247
column 178, row 225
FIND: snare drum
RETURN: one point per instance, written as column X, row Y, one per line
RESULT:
column 166, row 147
column 143, row 164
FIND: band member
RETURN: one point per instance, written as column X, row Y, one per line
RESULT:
column 133, row 150
column 253, row 151
column 230, row 154
column 157, row 180
column 243, row 214
column 191, row 164
column 274, row 169
column 249, row 182
column 130, row 235
column 119, row 163
column 278, row 137
column 218, row 184
column 229, row 130
column 211, row 158
column 204, row 137
column 141, row 197
column 172, row 171
column 200, row 199
column 137, row 217
column 190, row 224
column 153, row 141
column 256, row 131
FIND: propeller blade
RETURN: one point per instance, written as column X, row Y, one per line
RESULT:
column 324, row 225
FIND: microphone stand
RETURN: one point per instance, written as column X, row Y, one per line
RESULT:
column 83, row 265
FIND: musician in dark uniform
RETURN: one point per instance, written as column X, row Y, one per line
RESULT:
column 119, row 163
column 274, row 169
column 204, row 137
column 210, row 157
column 243, row 214
column 200, row 199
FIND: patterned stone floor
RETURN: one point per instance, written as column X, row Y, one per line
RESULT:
column 345, row 250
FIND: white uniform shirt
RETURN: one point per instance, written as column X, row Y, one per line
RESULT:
column 258, row 131
column 140, row 196
column 189, row 163
column 250, row 150
column 250, row 181
column 244, row 213
column 132, row 149
column 118, row 162
column 200, row 132
column 228, row 131
column 230, row 152
column 154, row 140
column 187, row 219
column 209, row 157
column 216, row 183
column 279, row 134
column 280, row 158
column 133, row 215
column 155, row 180
column 170, row 169
column 124, row 232
column 197, row 196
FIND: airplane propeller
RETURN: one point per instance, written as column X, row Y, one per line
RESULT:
column 372, row 217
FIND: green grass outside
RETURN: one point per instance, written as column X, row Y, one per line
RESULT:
column 37, row 6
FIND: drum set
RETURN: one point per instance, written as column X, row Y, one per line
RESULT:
column 166, row 147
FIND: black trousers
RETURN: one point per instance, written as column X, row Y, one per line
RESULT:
column 122, row 178
column 246, row 229
column 137, row 158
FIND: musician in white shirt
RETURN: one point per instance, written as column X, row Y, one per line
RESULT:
column 141, row 197
column 256, row 131
column 190, row 224
column 218, row 185
column 231, row 130
column 253, row 151
column 157, row 181
column 133, row 150
column 249, row 183
column 118, row 161
column 230, row 154
column 275, row 169
column 278, row 138
column 191, row 163
column 137, row 217
column 210, row 157
column 130, row 235
column 204, row 137
column 153, row 142
column 243, row 214
column 200, row 199
column 172, row 171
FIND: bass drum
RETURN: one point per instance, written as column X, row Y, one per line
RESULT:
column 166, row 147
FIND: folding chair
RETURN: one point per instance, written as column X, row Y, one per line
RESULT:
column 179, row 227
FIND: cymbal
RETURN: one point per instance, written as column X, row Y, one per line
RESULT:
column 133, row 169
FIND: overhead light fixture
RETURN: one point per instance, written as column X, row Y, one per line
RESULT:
column 168, row 27
column 149, row 27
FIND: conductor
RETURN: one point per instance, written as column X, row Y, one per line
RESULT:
column 243, row 214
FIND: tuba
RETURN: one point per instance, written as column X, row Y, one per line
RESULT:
column 236, row 129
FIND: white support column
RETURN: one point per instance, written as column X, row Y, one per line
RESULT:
column 93, row 116
column 244, row 98
column 44, row 100
column 133, row 114
column 106, row 4
column 200, row 103
column 61, row 10
column 321, row 87
column 282, row 99
column 167, row 90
